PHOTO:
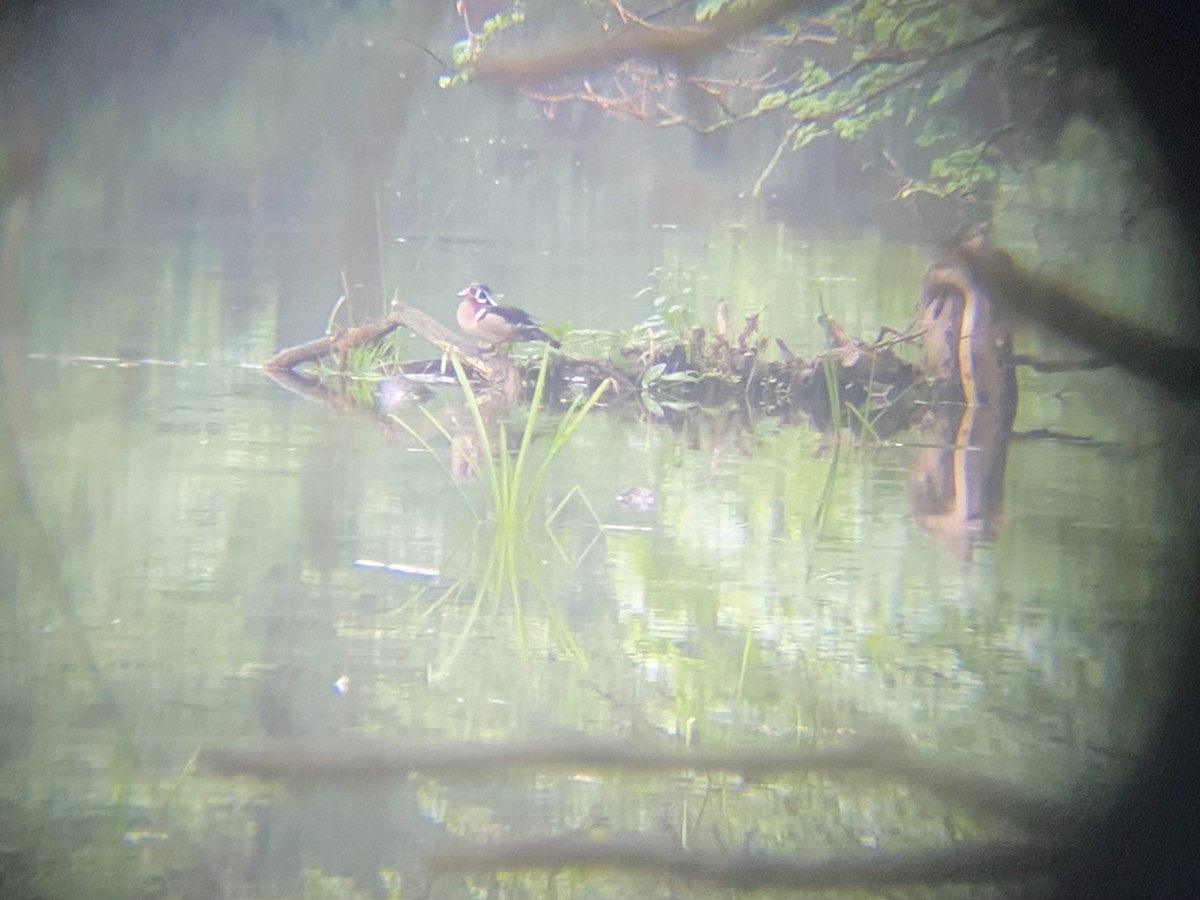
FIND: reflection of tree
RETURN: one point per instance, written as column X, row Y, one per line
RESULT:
column 956, row 485
column 946, row 92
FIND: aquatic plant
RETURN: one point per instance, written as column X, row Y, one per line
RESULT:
column 513, row 481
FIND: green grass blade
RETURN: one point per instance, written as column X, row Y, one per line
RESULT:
column 485, row 445
column 745, row 662
column 531, row 419
column 826, row 501
column 867, row 427
column 428, row 448
column 566, row 427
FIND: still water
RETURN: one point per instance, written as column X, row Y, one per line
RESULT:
column 195, row 584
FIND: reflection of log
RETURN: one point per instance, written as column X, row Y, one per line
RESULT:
column 957, row 482
column 308, row 388
column 311, row 351
column 967, row 350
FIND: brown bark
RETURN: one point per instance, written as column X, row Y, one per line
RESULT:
column 967, row 348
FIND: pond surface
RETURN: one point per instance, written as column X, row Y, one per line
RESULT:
column 782, row 591
column 195, row 558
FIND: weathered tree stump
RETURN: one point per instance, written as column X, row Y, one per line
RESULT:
column 967, row 347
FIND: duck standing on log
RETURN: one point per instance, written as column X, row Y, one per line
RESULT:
column 482, row 317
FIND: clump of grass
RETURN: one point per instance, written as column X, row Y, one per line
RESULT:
column 514, row 482
column 512, row 487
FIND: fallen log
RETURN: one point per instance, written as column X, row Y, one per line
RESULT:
column 337, row 344
column 966, row 345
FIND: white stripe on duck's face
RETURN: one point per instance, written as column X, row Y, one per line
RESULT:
column 480, row 293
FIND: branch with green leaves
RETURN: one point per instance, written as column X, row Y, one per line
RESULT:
column 832, row 70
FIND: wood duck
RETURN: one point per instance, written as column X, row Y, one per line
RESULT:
column 482, row 317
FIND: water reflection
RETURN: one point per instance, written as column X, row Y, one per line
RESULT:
column 776, row 592
column 957, row 481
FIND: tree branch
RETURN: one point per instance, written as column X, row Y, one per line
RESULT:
column 683, row 44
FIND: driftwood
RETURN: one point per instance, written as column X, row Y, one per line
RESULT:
column 337, row 344
column 866, row 376
column 501, row 380
column 963, row 328
column 492, row 368
column 696, row 371
column 497, row 376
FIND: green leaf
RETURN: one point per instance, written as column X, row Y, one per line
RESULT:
column 653, row 373
column 773, row 100
column 952, row 82
column 706, row 9
column 462, row 52
column 681, row 377
column 806, row 133
column 811, row 76
column 884, row 26
column 932, row 131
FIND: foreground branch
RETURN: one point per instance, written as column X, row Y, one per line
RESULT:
column 1159, row 358
column 883, row 754
column 681, row 44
